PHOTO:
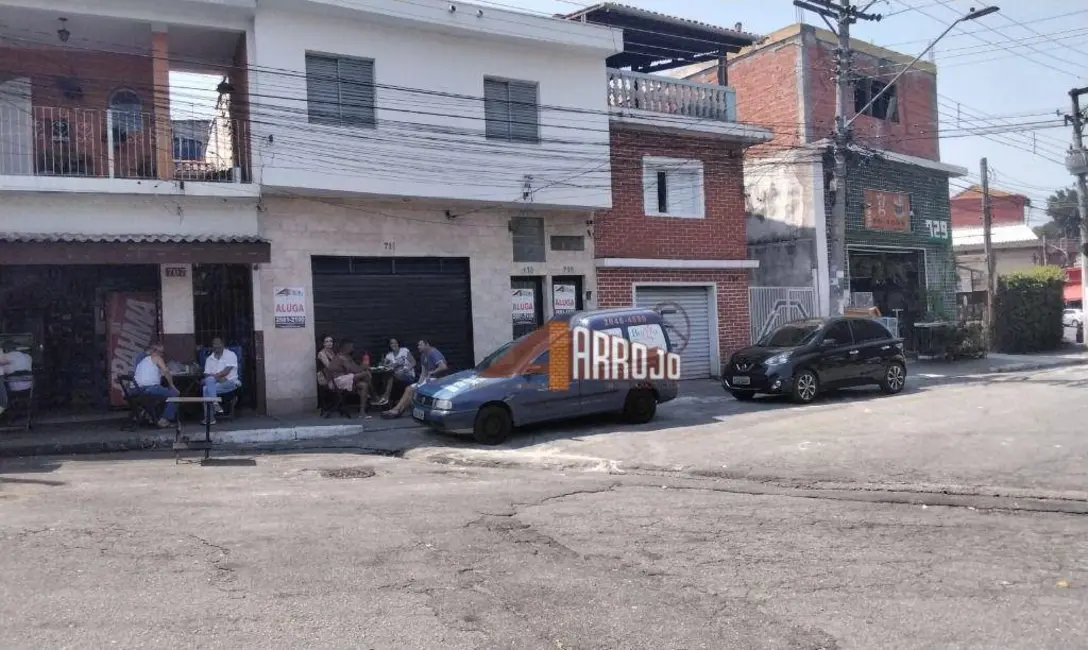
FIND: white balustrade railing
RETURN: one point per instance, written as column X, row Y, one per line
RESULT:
column 647, row 92
column 92, row 143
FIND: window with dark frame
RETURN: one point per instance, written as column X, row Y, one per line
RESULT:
column 511, row 110
column 528, row 239
column 340, row 91
column 886, row 107
column 568, row 243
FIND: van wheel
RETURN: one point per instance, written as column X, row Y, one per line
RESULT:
column 492, row 426
column 640, row 407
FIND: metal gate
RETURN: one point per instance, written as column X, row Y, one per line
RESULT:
column 686, row 312
column 770, row 307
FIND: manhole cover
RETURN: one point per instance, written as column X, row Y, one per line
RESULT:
column 348, row 472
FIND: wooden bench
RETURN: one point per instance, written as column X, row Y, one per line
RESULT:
column 204, row 445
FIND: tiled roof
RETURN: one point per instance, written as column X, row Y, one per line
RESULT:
column 657, row 15
column 975, row 191
column 57, row 238
column 999, row 236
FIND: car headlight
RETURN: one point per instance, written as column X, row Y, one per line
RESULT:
column 443, row 405
column 778, row 359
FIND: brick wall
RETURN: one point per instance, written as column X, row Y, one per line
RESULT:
column 1004, row 210
column 916, row 132
column 767, row 93
column 626, row 231
column 614, row 287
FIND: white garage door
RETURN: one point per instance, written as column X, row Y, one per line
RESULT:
column 688, row 325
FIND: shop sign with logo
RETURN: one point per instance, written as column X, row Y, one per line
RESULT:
column 290, row 307
column 887, row 211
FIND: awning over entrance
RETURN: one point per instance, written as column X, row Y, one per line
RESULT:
column 20, row 248
column 1072, row 292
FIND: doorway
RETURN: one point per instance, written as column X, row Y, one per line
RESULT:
column 223, row 306
column 527, row 295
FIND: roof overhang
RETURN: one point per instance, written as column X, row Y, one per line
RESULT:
column 746, row 134
column 952, row 171
column 653, row 42
column 18, row 248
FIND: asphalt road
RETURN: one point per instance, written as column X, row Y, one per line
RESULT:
column 851, row 543
column 1015, row 433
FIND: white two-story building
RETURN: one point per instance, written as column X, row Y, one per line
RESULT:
column 379, row 169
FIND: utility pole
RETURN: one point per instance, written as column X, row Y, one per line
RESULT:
column 1077, row 164
column 988, row 248
column 844, row 14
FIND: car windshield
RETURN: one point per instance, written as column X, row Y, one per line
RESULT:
column 791, row 335
column 490, row 359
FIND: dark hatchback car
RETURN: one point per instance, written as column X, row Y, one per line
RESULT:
column 804, row 358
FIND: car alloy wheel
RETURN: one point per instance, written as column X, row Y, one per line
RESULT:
column 805, row 387
column 895, row 376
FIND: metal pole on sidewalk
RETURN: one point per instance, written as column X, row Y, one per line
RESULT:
column 988, row 249
column 1077, row 164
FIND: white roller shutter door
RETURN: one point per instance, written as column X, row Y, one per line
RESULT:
column 689, row 327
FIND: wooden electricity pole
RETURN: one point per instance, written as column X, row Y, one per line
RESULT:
column 987, row 247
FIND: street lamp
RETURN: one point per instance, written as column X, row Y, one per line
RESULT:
column 971, row 15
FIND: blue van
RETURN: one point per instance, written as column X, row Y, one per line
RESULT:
column 509, row 388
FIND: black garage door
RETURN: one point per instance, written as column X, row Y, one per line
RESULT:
column 371, row 299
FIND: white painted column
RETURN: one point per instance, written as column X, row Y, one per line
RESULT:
column 177, row 299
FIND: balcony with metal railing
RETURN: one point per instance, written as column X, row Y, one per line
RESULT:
column 636, row 91
column 47, row 141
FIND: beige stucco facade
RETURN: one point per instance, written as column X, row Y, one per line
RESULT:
column 1006, row 260
column 299, row 228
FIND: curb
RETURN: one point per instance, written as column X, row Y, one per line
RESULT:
column 156, row 441
column 1038, row 365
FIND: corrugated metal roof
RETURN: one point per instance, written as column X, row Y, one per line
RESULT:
column 999, row 235
column 619, row 8
column 975, row 192
column 57, row 238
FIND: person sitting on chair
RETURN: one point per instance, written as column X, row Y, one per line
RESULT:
column 400, row 361
column 434, row 366
column 348, row 376
column 149, row 375
column 220, row 375
column 12, row 361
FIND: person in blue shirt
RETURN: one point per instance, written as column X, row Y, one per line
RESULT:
column 434, row 366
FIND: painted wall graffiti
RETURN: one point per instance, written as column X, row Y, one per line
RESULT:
column 677, row 323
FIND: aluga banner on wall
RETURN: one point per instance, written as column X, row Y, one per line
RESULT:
column 564, row 300
column 524, row 305
column 290, row 307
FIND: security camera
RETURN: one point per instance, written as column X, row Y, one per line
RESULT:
column 453, row 8
column 479, row 13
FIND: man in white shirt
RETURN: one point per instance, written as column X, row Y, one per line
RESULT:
column 220, row 373
column 13, row 361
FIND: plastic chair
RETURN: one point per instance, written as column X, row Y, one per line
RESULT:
column 22, row 399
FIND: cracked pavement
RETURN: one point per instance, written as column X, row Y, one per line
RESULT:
column 872, row 540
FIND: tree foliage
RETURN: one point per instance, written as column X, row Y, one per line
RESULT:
column 1061, row 207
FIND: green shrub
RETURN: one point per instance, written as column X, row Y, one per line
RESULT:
column 1028, row 310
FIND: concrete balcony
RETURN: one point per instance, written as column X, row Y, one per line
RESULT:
column 653, row 102
column 657, row 94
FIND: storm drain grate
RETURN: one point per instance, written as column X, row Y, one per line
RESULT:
column 348, row 472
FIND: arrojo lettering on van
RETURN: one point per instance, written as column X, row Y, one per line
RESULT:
column 602, row 356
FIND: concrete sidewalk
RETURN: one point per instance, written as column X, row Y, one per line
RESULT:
column 395, row 436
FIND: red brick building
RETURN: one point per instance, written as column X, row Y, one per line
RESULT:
column 1006, row 208
column 674, row 238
